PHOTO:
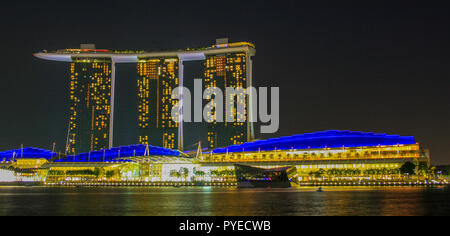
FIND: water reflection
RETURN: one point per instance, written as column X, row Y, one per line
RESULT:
column 224, row 201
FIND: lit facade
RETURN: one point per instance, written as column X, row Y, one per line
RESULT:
column 333, row 153
column 90, row 105
column 223, row 71
column 157, row 77
column 24, row 165
column 310, row 160
column 329, row 157
column 141, row 163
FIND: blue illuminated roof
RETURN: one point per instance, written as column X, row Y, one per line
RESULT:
column 28, row 153
column 113, row 154
column 323, row 139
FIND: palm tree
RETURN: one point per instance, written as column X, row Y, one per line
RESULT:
column 319, row 174
column 199, row 173
column 185, row 173
column 175, row 174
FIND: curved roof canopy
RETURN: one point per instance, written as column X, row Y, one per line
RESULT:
column 323, row 139
column 120, row 154
column 26, row 153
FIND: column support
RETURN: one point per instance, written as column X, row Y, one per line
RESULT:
column 250, row 118
column 180, row 104
column 111, row 115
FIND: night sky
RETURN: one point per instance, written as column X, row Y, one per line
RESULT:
column 378, row 68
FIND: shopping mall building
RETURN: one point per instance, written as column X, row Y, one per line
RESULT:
column 332, row 155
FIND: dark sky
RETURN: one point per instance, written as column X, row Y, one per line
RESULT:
column 379, row 68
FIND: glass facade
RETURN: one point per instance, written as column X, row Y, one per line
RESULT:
column 157, row 77
column 90, row 105
column 329, row 155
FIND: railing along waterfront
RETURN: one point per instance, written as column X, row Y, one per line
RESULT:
column 299, row 158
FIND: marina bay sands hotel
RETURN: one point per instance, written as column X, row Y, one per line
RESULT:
column 92, row 85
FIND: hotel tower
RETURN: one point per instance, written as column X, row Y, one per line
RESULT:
column 157, row 77
column 90, row 105
column 223, row 71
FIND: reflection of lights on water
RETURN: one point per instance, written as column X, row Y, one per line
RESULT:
column 207, row 188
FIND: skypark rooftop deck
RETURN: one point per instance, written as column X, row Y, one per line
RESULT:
column 67, row 55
